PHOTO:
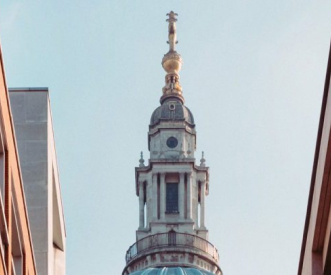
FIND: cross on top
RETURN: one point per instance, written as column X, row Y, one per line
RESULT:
column 172, row 30
column 172, row 17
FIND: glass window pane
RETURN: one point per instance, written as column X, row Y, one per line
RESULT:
column 172, row 198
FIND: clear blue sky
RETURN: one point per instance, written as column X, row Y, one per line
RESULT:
column 253, row 77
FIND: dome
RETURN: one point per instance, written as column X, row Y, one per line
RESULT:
column 172, row 271
column 172, row 109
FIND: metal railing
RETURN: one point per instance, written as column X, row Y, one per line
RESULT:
column 171, row 239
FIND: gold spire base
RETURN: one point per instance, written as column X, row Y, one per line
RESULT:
column 172, row 62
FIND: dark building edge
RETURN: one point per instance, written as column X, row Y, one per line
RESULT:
column 316, row 156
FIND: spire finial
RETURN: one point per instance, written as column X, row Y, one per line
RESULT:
column 172, row 63
column 172, row 30
column 141, row 161
column 202, row 160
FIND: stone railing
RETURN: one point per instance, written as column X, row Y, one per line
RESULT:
column 171, row 240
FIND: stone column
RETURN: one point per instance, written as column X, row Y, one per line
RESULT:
column 202, row 205
column 162, row 196
column 189, row 195
column 141, row 205
column 181, row 194
column 154, row 197
column 149, row 201
column 196, row 205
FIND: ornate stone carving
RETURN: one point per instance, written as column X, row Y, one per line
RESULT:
column 154, row 241
column 174, row 258
column 153, row 258
column 191, row 258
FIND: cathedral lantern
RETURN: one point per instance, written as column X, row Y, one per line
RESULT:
column 172, row 237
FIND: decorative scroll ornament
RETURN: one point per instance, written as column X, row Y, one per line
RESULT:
column 172, row 63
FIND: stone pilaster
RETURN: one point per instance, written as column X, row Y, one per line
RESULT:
column 141, row 205
column 155, row 198
column 181, row 195
column 149, row 202
column 162, row 196
column 202, row 204
column 189, row 196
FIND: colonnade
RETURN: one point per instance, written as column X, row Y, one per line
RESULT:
column 152, row 195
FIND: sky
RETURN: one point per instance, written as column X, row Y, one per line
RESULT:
column 253, row 75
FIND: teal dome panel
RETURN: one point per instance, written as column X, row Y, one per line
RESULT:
column 172, row 271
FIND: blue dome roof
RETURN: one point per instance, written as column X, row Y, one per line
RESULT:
column 172, row 110
column 172, row 271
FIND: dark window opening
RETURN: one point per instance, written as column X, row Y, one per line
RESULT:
column 172, row 198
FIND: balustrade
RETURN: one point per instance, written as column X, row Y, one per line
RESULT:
column 171, row 239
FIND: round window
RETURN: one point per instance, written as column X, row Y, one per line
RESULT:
column 172, row 142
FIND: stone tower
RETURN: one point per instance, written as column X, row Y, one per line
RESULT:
column 172, row 236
